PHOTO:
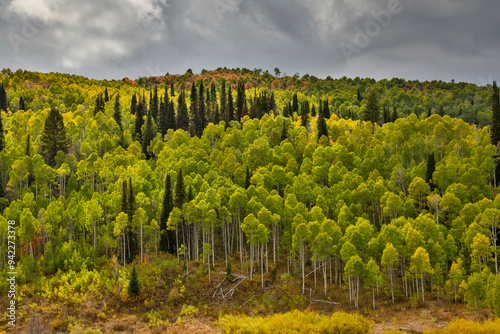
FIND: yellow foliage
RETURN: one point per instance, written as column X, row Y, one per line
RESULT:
column 469, row 327
column 296, row 322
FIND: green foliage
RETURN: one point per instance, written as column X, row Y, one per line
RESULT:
column 133, row 285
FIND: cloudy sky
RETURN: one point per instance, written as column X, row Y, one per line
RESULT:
column 112, row 39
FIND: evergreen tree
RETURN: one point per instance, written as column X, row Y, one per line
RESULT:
column 154, row 106
column 223, row 101
column 372, row 110
column 247, row 178
column 284, row 134
column 387, row 116
column 286, row 111
column 326, row 109
column 240, row 100
column 3, row 98
column 230, row 106
column 321, row 126
column 313, row 110
column 272, row 104
column 162, row 116
column 106, row 95
column 360, row 98
column 295, row 103
column 28, row 146
column 139, row 120
column 165, row 214
column 99, row 104
column 22, row 104
column 171, row 122
column 172, row 90
column 429, row 113
column 148, row 135
column 180, row 191
column 394, row 116
column 194, row 121
column 182, row 113
column 202, row 119
column 495, row 117
column 131, row 233
column 2, row 138
column 216, row 114
column 213, row 102
column 431, row 168
column 133, row 285
column 133, row 105
column 53, row 137
column 117, row 115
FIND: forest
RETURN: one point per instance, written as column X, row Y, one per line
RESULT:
column 151, row 194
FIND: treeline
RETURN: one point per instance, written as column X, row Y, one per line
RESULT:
column 269, row 181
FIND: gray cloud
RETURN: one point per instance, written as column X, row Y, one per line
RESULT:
column 426, row 39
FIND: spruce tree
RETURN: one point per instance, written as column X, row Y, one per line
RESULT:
column 247, row 178
column 321, row 126
column 286, row 111
column 193, row 110
column 230, row 106
column 131, row 233
column 313, row 110
column 387, row 116
column 172, row 90
column 148, row 135
column 213, row 102
column 495, row 117
column 165, row 214
column 240, row 100
column 171, row 121
column 162, row 116
column 372, row 110
column 99, row 104
column 182, row 113
column 124, row 197
column 326, row 110
column 3, row 98
column 28, row 146
column 394, row 116
column 154, row 106
column 2, row 138
column 180, row 192
column 223, row 101
column 360, row 98
column 117, row 115
column 304, row 117
column 22, row 104
column 133, row 105
column 53, row 137
column 139, row 120
column 106, row 95
column 133, row 285
column 429, row 113
column 295, row 103
column 272, row 104
column 202, row 119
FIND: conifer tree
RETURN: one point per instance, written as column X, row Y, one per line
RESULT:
column 131, row 233
column 321, row 126
column 304, row 117
column 133, row 105
column 172, row 90
column 171, row 121
column 22, row 104
column 284, row 134
column 429, row 113
column 180, row 192
column 154, row 105
column 313, row 110
column 149, row 135
column 372, row 110
column 286, row 111
column 240, row 100
column 124, row 197
column 106, row 95
column 3, row 98
column 295, row 103
column 133, row 285
column 387, row 116
column 495, row 117
column 272, row 104
column 326, row 110
column 202, row 119
column 139, row 120
column 223, row 101
column 162, row 116
column 165, row 213
column 182, row 113
column 394, row 115
column 28, row 146
column 213, row 102
column 2, row 138
column 117, row 115
column 360, row 98
column 193, row 110
column 230, row 106
column 247, row 178
column 99, row 104
column 53, row 137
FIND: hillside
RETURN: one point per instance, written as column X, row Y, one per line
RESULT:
column 239, row 190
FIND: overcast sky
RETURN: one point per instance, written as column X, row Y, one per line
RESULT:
column 113, row 39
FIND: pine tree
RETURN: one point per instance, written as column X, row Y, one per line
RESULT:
column 372, row 110
column 106, row 95
column 99, row 104
column 213, row 102
column 165, row 214
column 131, row 234
column 247, row 178
column 394, row 116
column 230, row 106
column 272, row 104
column 495, row 117
column 304, row 117
column 154, row 106
column 360, row 98
column 172, row 90
column 240, row 100
column 295, row 103
column 286, row 111
column 202, row 118
column 162, row 116
column 223, row 102
column 148, row 135
column 180, row 192
column 133, row 285
column 139, row 120
column 431, row 168
column 193, row 110
column 133, row 105
column 182, row 113
column 21, row 104
column 313, row 110
column 2, row 138
column 3, row 98
column 117, row 115
column 326, row 110
column 429, row 113
column 131, row 201
column 171, row 121
column 321, row 126
column 53, row 137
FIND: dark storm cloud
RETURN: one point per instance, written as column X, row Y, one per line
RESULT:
column 426, row 39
